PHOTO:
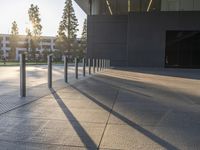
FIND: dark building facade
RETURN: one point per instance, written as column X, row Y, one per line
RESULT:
column 145, row 33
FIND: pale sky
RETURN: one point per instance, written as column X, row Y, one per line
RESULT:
column 50, row 11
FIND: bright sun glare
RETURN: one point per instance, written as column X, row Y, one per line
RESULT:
column 50, row 10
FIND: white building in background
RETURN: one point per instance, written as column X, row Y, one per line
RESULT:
column 47, row 43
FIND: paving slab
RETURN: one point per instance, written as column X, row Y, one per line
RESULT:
column 126, row 137
column 114, row 109
column 23, row 125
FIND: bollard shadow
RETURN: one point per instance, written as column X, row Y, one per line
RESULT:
column 83, row 135
column 132, row 124
column 170, row 72
column 154, row 90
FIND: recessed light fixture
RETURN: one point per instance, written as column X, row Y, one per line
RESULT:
column 108, row 4
column 149, row 6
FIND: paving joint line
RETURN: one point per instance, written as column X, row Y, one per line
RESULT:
column 111, row 110
column 26, row 103
column 38, row 98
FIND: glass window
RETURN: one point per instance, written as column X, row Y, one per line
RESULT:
column 120, row 7
column 145, row 5
column 109, row 7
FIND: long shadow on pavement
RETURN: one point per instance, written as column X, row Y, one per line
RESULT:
column 145, row 88
column 170, row 72
column 85, row 138
column 147, row 133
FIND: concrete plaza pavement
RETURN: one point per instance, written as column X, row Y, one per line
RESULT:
column 36, row 76
column 138, row 108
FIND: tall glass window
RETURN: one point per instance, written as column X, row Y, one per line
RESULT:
column 117, row 7
column 109, row 7
column 145, row 5
column 120, row 7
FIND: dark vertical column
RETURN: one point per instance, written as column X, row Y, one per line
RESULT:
column 97, row 64
column 84, row 67
column 90, row 2
column 65, row 69
column 94, row 65
column 100, row 64
column 22, row 75
column 76, row 68
column 89, row 65
column 49, row 71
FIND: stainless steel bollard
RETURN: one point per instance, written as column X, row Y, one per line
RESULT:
column 97, row 64
column 84, row 67
column 22, row 75
column 76, row 68
column 50, row 71
column 89, row 66
column 100, row 64
column 65, row 69
column 104, row 63
column 93, row 65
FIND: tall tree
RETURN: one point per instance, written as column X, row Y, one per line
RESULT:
column 61, row 39
column 67, row 29
column 84, row 32
column 35, row 34
column 84, row 39
column 69, row 20
column 13, row 40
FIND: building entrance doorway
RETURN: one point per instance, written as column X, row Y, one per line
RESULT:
column 182, row 49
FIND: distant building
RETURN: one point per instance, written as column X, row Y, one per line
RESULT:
column 47, row 43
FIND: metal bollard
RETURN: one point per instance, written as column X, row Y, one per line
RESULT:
column 65, row 69
column 97, row 64
column 104, row 64
column 100, row 64
column 93, row 65
column 22, row 75
column 84, row 67
column 89, row 65
column 76, row 68
column 50, row 71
